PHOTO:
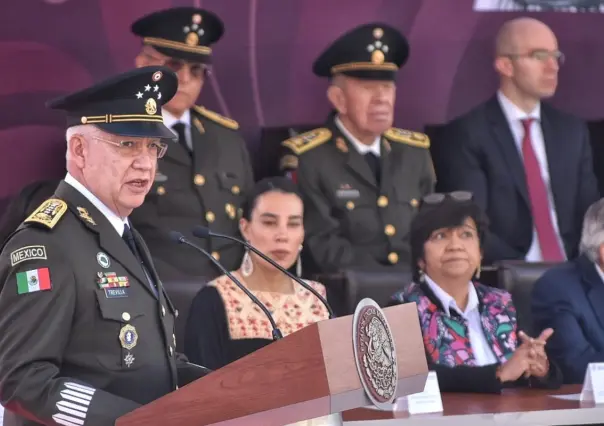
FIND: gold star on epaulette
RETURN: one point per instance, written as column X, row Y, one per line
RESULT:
column 307, row 141
column 408, row 137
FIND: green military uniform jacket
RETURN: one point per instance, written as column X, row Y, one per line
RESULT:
column 74, row 349
column 205, row 188
column 351, row 221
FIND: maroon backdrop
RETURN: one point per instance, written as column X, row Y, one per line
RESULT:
column 262, row 65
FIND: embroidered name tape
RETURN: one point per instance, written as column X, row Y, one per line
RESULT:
column 27, row 253
column 117, row 292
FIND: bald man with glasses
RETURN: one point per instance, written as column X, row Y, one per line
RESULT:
column 528, row 164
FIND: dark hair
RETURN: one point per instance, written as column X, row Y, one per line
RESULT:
column 23, row 204
column 270, row 184
column 449, row 213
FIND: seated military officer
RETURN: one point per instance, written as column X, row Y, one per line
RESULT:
column 86, row 331
column 204, row 175
column 360, row 177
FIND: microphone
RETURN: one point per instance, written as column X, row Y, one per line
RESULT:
column 203, row 232
column 179, row 238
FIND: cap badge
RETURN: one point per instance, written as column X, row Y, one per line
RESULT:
column 151, row 106
column 378, row 51
column 157, row 76
column 377, row 57
column 378, row 32
column 193, row 31
column 192, row 39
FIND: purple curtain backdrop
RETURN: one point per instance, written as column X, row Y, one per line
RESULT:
column 262, row 66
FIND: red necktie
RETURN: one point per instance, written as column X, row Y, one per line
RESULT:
column 540, row 208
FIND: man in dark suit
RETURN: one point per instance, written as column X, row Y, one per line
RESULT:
column 528, row 164
column 205, row 175
column 569, row 298
column 362, row 180
column 87, row 330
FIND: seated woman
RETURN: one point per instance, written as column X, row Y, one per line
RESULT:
column 224, row 324
column 469, row 329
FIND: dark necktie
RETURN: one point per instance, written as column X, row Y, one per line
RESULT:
column 128, row 237
column 374, row 165
column 179, row 128
column 540, row 206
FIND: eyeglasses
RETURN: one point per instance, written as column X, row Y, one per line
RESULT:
column 135, row 148
column 197, row 70
column 540, row 55
column 439, row 197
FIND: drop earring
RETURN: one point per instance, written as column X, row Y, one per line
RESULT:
column 247, row 266
column 299, row 262
column 422, row 276
column 478, row 272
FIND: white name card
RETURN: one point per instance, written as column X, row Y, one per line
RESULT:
column 428, row 401
column 593, row 384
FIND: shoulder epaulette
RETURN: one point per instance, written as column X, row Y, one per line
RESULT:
column 48, row 213
column 420, row 140
column 307, row 141
column 220, row 119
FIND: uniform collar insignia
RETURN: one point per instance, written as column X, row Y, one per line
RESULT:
column 84, row 215
column 341, row 144
column 386, row 145
column 198, row 126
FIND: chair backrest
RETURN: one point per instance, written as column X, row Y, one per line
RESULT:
column 518, row 278
column 182, row 293
column 379, row 286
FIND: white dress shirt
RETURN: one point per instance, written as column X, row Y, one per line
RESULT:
column 115, row 221
column 170, row 120
column 362, row 148
column 514, row 115
column 480, row 346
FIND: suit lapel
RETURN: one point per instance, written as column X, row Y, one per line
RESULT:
column 595, row 287
column 505, row 140
column 387, row 163
column 355, row 162
column 556, row 163
column 177, row 154
column 148, row 260
column 109, row 239
column 205, row 143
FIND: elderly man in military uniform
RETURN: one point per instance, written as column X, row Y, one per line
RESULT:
column 86, row 331
column 203, row 177
column 361, row 178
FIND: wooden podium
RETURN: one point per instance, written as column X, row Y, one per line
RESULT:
column 310, row 373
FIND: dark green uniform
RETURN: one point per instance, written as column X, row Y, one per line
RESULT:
column 351, row 221
column 74, row 349
column 205, row 188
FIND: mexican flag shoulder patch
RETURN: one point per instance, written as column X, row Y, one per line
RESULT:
column 33, row 280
